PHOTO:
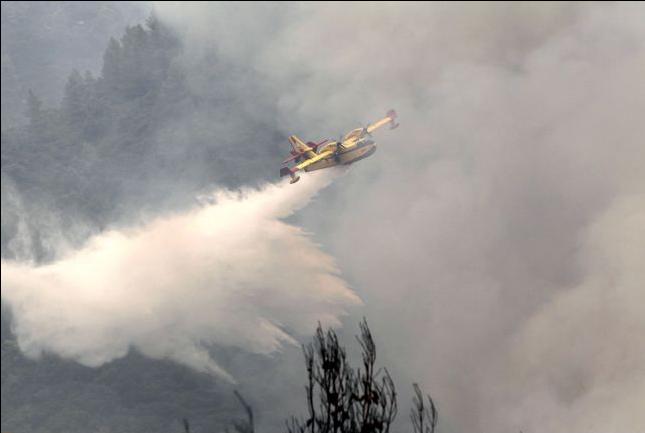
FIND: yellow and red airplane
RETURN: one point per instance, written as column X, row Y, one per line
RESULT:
column 356, row 145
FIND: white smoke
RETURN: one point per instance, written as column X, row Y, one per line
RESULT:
column 579, row 360
column 229, row 273
column 493, row 253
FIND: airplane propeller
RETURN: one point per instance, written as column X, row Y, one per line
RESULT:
column 366, row 132
column 339, row 147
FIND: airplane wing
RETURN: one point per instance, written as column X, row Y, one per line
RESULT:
column 284, row 171
column 310, row 161
column 389, row 118
column 355, row 135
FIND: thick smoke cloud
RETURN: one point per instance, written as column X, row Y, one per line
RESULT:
column 590, row 376
column 489, row 235
column 495, row 237
column 227, row 273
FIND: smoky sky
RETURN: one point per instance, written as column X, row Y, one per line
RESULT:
column 494, row 236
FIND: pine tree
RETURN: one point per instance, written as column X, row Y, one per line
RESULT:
column 34, row 109
column 75, row 100
column 111, row 72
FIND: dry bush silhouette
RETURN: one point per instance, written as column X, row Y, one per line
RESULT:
column 341, row 399
column 424, row 418
column 245, row 426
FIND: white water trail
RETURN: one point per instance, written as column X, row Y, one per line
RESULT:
column 229, row 273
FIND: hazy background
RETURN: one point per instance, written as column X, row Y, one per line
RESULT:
column 495, row 239
column 43, row 42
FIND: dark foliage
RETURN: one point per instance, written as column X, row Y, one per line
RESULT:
column 43, row 41
column 247, row 425
column 341, row 398
column 424, row 418
column 136, row 140
column 78, row 160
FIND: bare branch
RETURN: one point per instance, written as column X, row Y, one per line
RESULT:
column 424, row 418
column 341, row 399
column 247, row 426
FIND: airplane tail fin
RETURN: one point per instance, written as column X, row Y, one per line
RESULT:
column 392, row 115
column 299, row 146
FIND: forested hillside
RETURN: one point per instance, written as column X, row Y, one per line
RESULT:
column 138, row 138
column 43, row 41
column 143, row 137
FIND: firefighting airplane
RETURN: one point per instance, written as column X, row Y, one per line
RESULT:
column 355, row 146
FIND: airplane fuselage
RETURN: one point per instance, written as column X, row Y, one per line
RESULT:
column 345, row 157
